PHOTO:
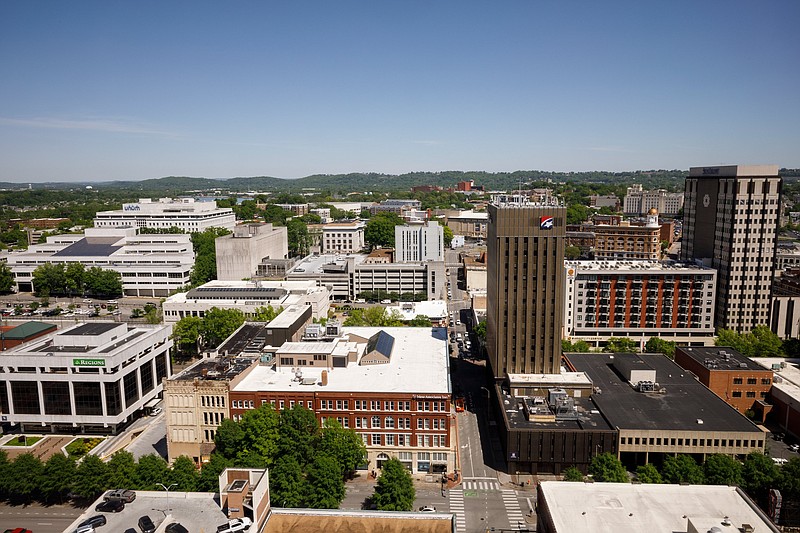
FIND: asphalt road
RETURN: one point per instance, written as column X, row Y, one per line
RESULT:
column 37, row 518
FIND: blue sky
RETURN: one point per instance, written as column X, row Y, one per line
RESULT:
column 110, row 90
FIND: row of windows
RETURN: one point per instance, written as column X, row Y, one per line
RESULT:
column 402, row 439
column 752, row 381
column 748, row 394
column 701, row 443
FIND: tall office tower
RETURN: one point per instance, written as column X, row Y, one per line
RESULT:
column 525, row 288
column 730, row 223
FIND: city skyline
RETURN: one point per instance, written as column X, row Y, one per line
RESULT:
column 102, row 91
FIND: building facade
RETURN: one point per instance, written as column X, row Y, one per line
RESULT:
column 398, row 207
column 469, row 224
column 240, row 253
column 150, row 265
column 183, row 213
column 89, row 378
column 622, row 240
column 419, row 242
column 639, row 300
column 730, row 224
column 525, row 287
column 639, row 202
column 344, row 237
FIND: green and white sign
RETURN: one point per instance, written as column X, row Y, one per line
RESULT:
column 88, row 362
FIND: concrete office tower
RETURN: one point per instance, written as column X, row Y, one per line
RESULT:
column 730, row 222
column 419, row 242
column 525, row 287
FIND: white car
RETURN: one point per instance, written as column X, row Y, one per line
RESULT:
column 795, row 447
column 236, row 525
column 427, row 509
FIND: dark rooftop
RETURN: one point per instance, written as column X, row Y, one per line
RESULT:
column 382, row 343
column 91, row 329
column 221, row 368
column 721, row 358
column 90, row 247
column 684, row 401
column 589, row 418
column 233, row 293
column 251, row 333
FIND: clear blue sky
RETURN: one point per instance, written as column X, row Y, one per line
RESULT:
column 108, row 90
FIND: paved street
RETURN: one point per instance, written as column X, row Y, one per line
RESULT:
column 37, row 518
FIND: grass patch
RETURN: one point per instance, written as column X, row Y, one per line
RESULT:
column 23, row 441
column 82, row 446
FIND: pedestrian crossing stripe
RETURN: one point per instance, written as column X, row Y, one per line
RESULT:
column 457, row 508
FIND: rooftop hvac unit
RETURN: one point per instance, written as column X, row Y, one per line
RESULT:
column 742, row 365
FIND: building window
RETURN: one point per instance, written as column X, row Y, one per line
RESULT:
column 751, row 381
column 751, row 394
column 737, row 381
column 376, row 421
column 737, row 394
column 376, row 439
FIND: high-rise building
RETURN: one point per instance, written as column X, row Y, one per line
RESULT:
column 638, row 201
column 730, row 223
column 419, row 242
column 525, row 287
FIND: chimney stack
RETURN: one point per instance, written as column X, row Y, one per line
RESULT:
column 324, row 377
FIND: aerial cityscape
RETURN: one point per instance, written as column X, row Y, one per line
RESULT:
column 362, row 267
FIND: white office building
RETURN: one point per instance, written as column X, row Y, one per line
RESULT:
column 639, row 202
column 419, row 242
column 89, row 378
column 184, row 213
column 150, row 265
column 343, row 237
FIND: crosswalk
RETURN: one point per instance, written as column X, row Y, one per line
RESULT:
column 480, row 485
column 457, row 508
column 513, row 511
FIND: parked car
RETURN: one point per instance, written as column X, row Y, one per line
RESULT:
column 779, row 460
column 387, row 301
column 155, row 412
column 176, row 528
column 112, row 302
column 94, row 521
column 110, row 506
column 18, row 530
column 236, row 525
column 126, row 496
column 795, row 447
column 427, row 509
column 84, row 529
column 146, row 525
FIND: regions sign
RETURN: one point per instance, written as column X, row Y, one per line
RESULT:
column 88, row 362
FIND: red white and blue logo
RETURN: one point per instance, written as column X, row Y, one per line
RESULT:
column 546, row 222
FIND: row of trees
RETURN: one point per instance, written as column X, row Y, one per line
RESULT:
column 379, row 317
column 308, row 463
column 756, row 474
column 75, row 279
column 60, row 478
column 192, row 333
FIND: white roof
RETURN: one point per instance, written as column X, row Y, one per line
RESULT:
column 789, row 375
column 419, row 364
column 429, row 308
column 577, row 507
column 564, row 378
column 471, row 215
column 636, row 266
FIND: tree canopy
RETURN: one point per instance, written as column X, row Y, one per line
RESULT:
column 606, row 467
column 394, row 490
column 380, row 229
column 760, row 342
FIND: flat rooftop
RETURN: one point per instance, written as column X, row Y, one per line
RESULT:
column 684, row 401
column 314, row 264
column 627, row 508
column 218, row 369
column 636, row 266
column 588, row 416
column 419, row 363
column 236, row 293
column 787, row 371
column 282, row 520
column 721, row 358
column 91, row 329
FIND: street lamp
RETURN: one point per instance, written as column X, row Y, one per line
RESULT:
column 488, row 400
column 166, row 488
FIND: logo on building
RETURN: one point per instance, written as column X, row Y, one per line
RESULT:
column 546, row 222
column 88, row 362
column 131, row 207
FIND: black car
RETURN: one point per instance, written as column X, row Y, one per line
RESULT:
column 176, row 528
column 110, row 506
column 95, row 521
column 146, row 525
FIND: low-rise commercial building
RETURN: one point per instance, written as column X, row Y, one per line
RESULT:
column 638, row 201
column 11, row 336
column 150, row 265
column 619, row 239
column 247, row 296
column 639, row 300
column 182, row 213
column 742, row 383
column 472, row 224
column 398, row 207
column 343, row 237
column 785, row 393
column 785, row 304
column 240, row 253
column 90, row 378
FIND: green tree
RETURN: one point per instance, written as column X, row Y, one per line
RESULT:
column 621, row 345
column 298, row 238
column 150, row 471
column 209, row 475
column 682, row 469
column 205, row 251
column 266, row 314
column 122, row 470
column 789, row 482
column 480, row 330
column 91, row 478
column 577, row 213
column 658, row 345
column 75, row 278
column 26, row 477
column 57, row 478
column 186, row 333
column 49, row 279
column 606, row 467
column 766, row 343
column 6, row 277
column 5, row 474
column 218, row 324
column 420, row 321
column 325, row 485
column 720, row 469
column 344, row 445
column 380, row 229
column 580, row 346
column 260, row 428
column 184, row 473
column 759, row 474
column 573, row 474
column 229, row 438
column 374, row 317
column 648, row 474
column 448, row 235
column 572, row 252
column 103, row 282
column 298, row 434
column 287, row 485
column 394, row 490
